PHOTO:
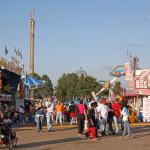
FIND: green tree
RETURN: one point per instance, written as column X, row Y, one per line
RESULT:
column 48, row 86
column 86, row 85
column 71, row 85
column 67, row 86
column 36, row 76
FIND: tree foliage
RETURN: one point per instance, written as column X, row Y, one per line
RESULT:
column 48, row 86
column 71, row 85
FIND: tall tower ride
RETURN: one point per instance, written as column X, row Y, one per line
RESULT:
column 32, row 26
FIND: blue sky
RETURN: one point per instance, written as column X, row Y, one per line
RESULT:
column 94, row 34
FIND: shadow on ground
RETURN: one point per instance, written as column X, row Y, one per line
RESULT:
column 138, row 132
column 38, row 144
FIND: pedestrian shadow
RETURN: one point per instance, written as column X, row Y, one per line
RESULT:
column 59, row 129
column 64, row 129
column 141, row 135
column 41, row 143
column 137, row 132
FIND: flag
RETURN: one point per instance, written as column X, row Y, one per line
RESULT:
column 15, row 50
column 19, row 53
column 6, row 50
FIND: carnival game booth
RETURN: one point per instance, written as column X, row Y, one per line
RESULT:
column 10, row 75
column 135, row 101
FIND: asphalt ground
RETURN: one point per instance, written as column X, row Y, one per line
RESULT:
column 66, row 138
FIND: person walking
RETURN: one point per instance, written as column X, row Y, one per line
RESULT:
column 110, row 119
column 39, row 118
column 91, row 121
column 50, row 114
column 126, row 125
column 102, row 110
column 117, row 112
column 81, row 114
column 31, row 113
column 72, row 109
column 59, row 108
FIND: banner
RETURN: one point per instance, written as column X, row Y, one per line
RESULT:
column 10, row 65
column 142, row 79
column 128, row 72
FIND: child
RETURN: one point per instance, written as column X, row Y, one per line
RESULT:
column 125, row 118
column 91, row 122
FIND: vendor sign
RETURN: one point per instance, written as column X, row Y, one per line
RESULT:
column 146, row 109
column 128, row 72
column 11, row 65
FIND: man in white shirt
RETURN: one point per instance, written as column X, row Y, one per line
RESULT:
column 103, row 110
column 50, row 113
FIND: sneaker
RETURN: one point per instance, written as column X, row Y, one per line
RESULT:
column 117, row 131
column 94, row 139
column 130, row 137
column 79, row 134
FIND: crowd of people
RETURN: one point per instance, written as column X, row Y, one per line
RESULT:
column 92, row 119
column 95, row 118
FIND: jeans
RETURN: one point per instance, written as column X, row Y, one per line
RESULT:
column 31, row 118
column 72, row 120
column 59, row 117
column 39, row 121
column 102, row 125
column 49, row 120
column 116, row 123
column 80, row 121
column 21, row 118
column 126, row 128
column 109, row 121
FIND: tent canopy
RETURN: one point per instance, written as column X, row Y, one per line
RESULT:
column 33, row 83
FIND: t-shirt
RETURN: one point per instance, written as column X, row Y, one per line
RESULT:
column 91, row 115
column 50, row 107
column 59, row 108
column 81, row 109
column 125, row 114
column 116, row 108
column 21, row 110
column 103, row 110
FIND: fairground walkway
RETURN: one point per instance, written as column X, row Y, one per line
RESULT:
column 66, row 138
